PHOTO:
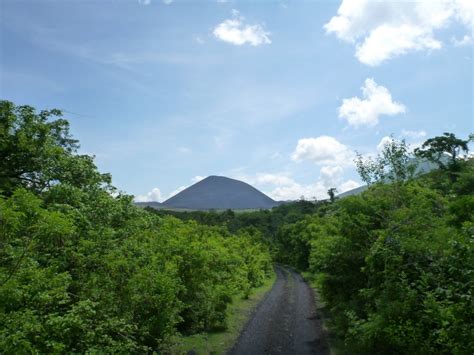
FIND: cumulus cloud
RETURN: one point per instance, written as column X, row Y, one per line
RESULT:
column 236, row 32
column 153, row 196
column 317, row 190
column 381, row 30
column 322, row 150
column 376, row 100
column 331, row 175
column 282, row 187
column 167, row 2
column 296, row 191
column 267, row 179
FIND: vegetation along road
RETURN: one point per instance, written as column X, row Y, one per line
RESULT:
column 285, row 322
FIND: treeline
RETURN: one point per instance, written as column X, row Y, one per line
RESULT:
column 395, row 264
column 263, row 224
column 83, row 270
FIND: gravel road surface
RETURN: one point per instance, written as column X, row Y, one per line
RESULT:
column 285, row 322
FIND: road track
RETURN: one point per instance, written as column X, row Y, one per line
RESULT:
column 285, row 322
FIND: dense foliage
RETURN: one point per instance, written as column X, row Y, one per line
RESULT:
column 395, row 264
column 264, row 223
column 83, row 270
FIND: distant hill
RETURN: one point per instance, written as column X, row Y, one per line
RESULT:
column 423, row 166
column 356, row 191
column 217, row 192
column 153, row 204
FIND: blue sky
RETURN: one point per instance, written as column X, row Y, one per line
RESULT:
column 277, row 93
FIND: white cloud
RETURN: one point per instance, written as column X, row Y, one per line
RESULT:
column 234, row 31
column 296, row 191
column 144, row 2
column 153, row 196
column 381, row 30
column 322, row 150
column 464, row 12
column 376, row 101
column 465, row 41
column 273, row 179
column 331, row 175
column 347, row 186
column 389, row 41
column 383, row 142
column 282, row 187
column 167, row 2
column 318, row 190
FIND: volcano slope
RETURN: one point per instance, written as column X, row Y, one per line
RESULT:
column 220, row 192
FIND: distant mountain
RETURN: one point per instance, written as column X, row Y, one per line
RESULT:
column 219, row 192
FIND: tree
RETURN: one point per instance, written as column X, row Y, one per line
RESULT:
column 332, row 194
column 443, row 150
column 37, row 151
column 393, row 163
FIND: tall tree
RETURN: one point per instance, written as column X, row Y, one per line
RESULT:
column 393, row 163
column 332, row 194
column 443, row 150
column 37, row 151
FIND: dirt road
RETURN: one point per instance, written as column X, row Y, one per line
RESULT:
column 285, row 322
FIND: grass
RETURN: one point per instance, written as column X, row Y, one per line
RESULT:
column 238, row 313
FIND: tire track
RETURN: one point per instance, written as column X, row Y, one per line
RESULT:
column 285, row 322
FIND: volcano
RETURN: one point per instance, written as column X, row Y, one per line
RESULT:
column 219, row 192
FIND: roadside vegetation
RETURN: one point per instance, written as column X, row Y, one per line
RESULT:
column 84, row 270
column 220, row 340
column 394, row 265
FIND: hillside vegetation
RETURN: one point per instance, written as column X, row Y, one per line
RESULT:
column 84, row 270
column 395, row 264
